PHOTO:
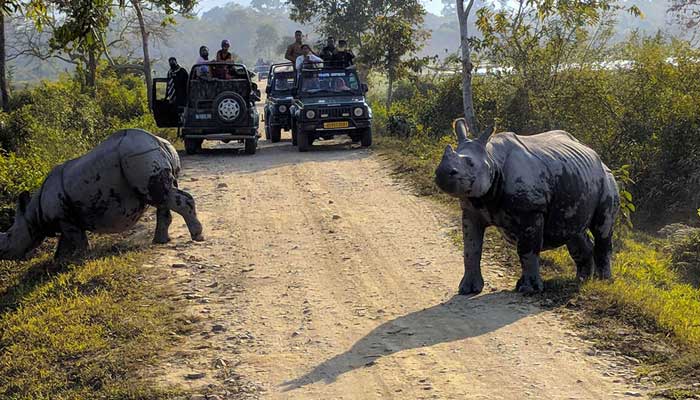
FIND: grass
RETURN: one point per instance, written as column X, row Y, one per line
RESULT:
column 649, row 313
column 85, row 330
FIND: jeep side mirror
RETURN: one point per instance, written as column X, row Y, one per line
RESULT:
column 365, row 88
column 268, row 90
column 254, row 85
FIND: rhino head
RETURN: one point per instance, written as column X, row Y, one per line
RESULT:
column 19, row 240
column 469, row 171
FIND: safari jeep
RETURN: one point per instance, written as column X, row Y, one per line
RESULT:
column 330, row 101
column 280, row 84
column 220, row 106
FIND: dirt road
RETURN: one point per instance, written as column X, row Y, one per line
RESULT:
column 322, row 277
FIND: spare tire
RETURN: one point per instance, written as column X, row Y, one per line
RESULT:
column 229, row 107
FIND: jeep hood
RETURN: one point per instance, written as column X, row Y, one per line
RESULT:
column 333, row 101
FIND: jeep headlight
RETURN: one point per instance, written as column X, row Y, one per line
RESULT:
column 358, row 111
column 282, row 108
column 311, row 114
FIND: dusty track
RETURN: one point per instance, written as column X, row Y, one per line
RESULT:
column 322, row 277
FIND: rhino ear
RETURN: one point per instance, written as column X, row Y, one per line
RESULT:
column 461, row 130
column 484, row 138
column 23, row 202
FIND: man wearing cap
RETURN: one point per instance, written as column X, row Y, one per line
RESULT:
column 294, row 49
column 224, row 54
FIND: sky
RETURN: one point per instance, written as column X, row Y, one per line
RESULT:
column 433, row 6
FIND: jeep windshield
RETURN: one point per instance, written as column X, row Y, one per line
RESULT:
column 329, row 82
column 220, row 71
column 283, row 82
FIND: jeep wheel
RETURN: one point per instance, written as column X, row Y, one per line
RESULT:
column 250, row 146
column 294, row 135
column 303, row 139
column 275, row 134
column 192, row 146
column 366, row 137
column 229, row 107
column 355, row 138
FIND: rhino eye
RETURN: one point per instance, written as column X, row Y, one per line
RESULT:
column 469, row 162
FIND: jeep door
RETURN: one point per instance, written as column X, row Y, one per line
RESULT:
column 165, row 113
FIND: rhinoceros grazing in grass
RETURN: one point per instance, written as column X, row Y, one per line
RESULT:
column 105, row 191
column 541, row 191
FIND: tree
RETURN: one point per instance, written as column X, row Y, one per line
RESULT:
column 686, row 13
column 168, row 8
column 33, row 9
column 463, row 12
column 268, row 5
column 390, row 46
column 349, row 19
column 537, row 39
column 82, row 31
column 266, row 39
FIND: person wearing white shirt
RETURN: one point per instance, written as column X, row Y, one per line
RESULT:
column 307, row 57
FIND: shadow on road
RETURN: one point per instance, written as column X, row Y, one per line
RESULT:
column 272, row 155
column 459, row 318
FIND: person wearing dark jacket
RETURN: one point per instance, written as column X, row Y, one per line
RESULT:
column 328, row 52
column 176, row 91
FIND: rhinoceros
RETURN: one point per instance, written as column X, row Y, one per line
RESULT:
column 541, row 191
column 106, row 190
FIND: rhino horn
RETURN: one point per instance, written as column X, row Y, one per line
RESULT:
column 461, row 130
column 484, row 138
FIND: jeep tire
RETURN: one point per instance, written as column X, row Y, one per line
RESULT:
column 366, row 139
column 251, row 146
column 294, row 134
column 303, row 140
column 192, row 146
column 275, row 134
column 229, row 107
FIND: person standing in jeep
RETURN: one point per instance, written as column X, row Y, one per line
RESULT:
column 328, row 52
column 177, row 84
column 343, row 55
column 224, row 54
column 294, row 49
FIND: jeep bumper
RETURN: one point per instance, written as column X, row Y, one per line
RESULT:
column 215, row 133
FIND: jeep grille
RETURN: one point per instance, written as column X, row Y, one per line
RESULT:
column 336, row 112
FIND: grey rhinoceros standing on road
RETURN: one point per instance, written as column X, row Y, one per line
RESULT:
column 541, row 191
column 105, row 191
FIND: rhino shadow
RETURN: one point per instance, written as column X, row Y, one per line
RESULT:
column 459, row 318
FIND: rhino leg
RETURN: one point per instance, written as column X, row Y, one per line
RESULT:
column 73, row 241
column 163, row 219
column 473, row 234
column 529, row 247
column 581, row 251
column 602, row 229
column 183, row 203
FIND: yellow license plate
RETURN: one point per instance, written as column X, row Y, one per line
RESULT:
column 335, row 125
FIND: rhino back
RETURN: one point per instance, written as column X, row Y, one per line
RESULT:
column 556, row 174
column 105, row 190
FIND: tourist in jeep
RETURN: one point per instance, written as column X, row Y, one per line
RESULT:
column 203, row 70
column 307, row 57
column 294, row 50
column 343, row 55
column 224, row 54
column 329, row 51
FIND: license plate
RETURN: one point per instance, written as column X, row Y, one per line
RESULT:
column 202, row 116
column 335, row 125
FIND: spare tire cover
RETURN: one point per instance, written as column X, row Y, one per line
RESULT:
column 229, row 107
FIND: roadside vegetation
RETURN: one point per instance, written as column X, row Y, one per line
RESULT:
column 642, row 119
column 89, row 329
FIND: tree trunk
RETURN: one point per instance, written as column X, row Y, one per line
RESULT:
column 3, row 73
column 467, row 66
column 390, row 92
column 146, row 55
column 92, row 69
